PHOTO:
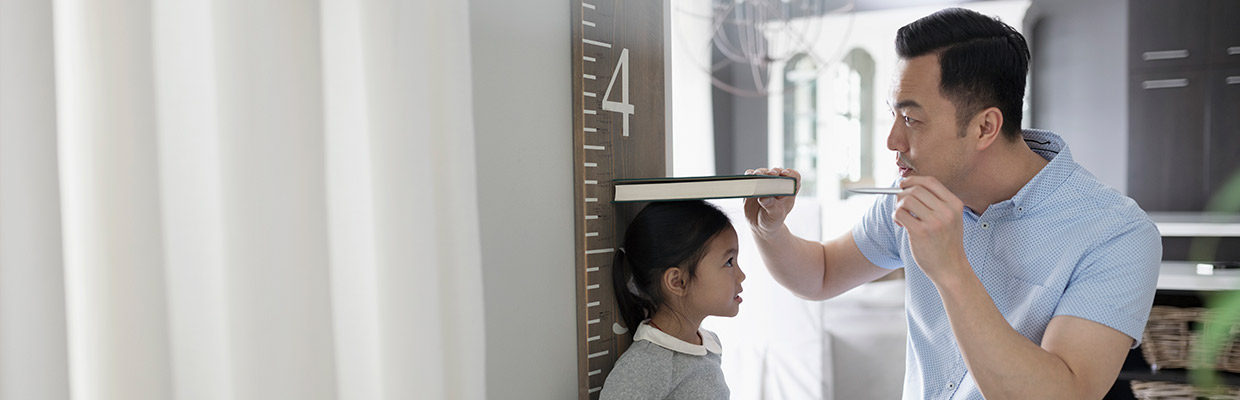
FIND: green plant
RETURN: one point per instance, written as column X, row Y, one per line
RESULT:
column 1224, row 306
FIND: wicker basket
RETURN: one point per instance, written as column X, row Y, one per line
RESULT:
column 1168, row 391
column 1171, row 336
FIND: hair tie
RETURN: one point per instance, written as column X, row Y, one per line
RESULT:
column 636, row 291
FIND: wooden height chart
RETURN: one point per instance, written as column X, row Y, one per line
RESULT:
column 618, row 64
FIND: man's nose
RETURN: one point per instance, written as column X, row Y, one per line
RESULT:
column 895, row 138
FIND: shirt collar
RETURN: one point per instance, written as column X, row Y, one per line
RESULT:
column 664, row 340
column 1051, row 147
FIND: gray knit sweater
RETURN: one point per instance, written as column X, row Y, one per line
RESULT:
column 659, row 366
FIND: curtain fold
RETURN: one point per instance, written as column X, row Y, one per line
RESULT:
column 34, row 360
column 238, row 199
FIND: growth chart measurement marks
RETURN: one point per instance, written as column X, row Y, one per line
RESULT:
column 618, row 132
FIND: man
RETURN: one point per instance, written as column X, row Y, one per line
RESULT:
column 1027, row 278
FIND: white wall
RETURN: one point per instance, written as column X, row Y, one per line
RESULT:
column 523, row 123
column 692, row 122
column 1079, row 85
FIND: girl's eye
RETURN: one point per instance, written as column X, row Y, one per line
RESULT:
column 729, row 263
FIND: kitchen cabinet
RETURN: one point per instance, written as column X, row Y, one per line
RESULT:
column 1167, row 33
column 1183, row 101
column 1223, row 141
column 1167, row 140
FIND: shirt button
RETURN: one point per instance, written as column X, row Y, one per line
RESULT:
column 951, row 385
column 985, row 225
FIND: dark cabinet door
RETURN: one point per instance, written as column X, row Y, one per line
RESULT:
column 1224, row 45
column 1224, row 140
column 1167, row 33
column 1166, row 140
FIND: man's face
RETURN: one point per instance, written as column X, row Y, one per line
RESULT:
column 925, row 135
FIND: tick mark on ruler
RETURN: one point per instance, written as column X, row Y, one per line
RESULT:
column 592, row 269
column 591, row 165
column 590, row 217
column 592, row 322
column 596, row 43
column 587, row 5
column 587, row 23
column 591, row 112
column 588, row 76
column 593, row 147
column 591, row 234
column 588, row 58
column 592, row 390
column 596, row 372
column 599, row 251
column 591, row 199
column 600, row 354
column 593, row 338
column 592, row 287
column 591, row 182
column 591, row 94
column 590, row 129
column 592, row 304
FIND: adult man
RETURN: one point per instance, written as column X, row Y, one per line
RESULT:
column 1027, row 278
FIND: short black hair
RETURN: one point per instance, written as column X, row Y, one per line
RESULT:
column 982, row 61
column 662, row 235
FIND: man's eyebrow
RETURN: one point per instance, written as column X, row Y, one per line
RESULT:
column 907, row 104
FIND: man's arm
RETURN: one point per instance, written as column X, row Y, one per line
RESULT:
column 809, row 269
column 1078, row 359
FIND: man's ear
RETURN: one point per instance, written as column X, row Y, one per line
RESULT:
column 990, row 127
column 675, row 281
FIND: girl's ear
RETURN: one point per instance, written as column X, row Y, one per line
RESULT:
column 674, row 282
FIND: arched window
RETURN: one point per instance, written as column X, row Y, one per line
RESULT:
column 852, row 120
column 801, row 121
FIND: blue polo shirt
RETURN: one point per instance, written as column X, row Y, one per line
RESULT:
column 1065, row 244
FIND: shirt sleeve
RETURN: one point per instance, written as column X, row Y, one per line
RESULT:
column 878, row 236
column 1114, row 284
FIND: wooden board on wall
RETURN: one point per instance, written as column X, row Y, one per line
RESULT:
column 619, row 131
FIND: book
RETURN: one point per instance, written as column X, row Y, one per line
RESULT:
column 703, row 187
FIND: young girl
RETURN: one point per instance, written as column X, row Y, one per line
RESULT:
column 677, row 266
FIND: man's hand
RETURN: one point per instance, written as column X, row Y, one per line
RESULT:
column 766, row 214
column 932, row 215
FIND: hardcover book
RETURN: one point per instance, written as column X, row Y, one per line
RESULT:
column 703, row 187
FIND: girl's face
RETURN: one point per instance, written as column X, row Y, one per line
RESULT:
column 716, row 288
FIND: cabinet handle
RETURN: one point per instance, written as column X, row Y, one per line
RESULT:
column 1164, row 55
column 1164, row 83
column 1233, row 80
column 1233, row 50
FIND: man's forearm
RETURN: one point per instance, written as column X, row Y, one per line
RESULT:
column 795, row 263
column 1004, row 363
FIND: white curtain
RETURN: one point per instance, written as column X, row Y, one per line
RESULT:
column 238, row 199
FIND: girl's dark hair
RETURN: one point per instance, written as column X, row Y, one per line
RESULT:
column 661, row 236
column 982, row 62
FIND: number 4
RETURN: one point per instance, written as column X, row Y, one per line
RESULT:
column 623, row 105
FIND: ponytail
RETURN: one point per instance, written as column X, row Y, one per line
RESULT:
column 634, row 307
